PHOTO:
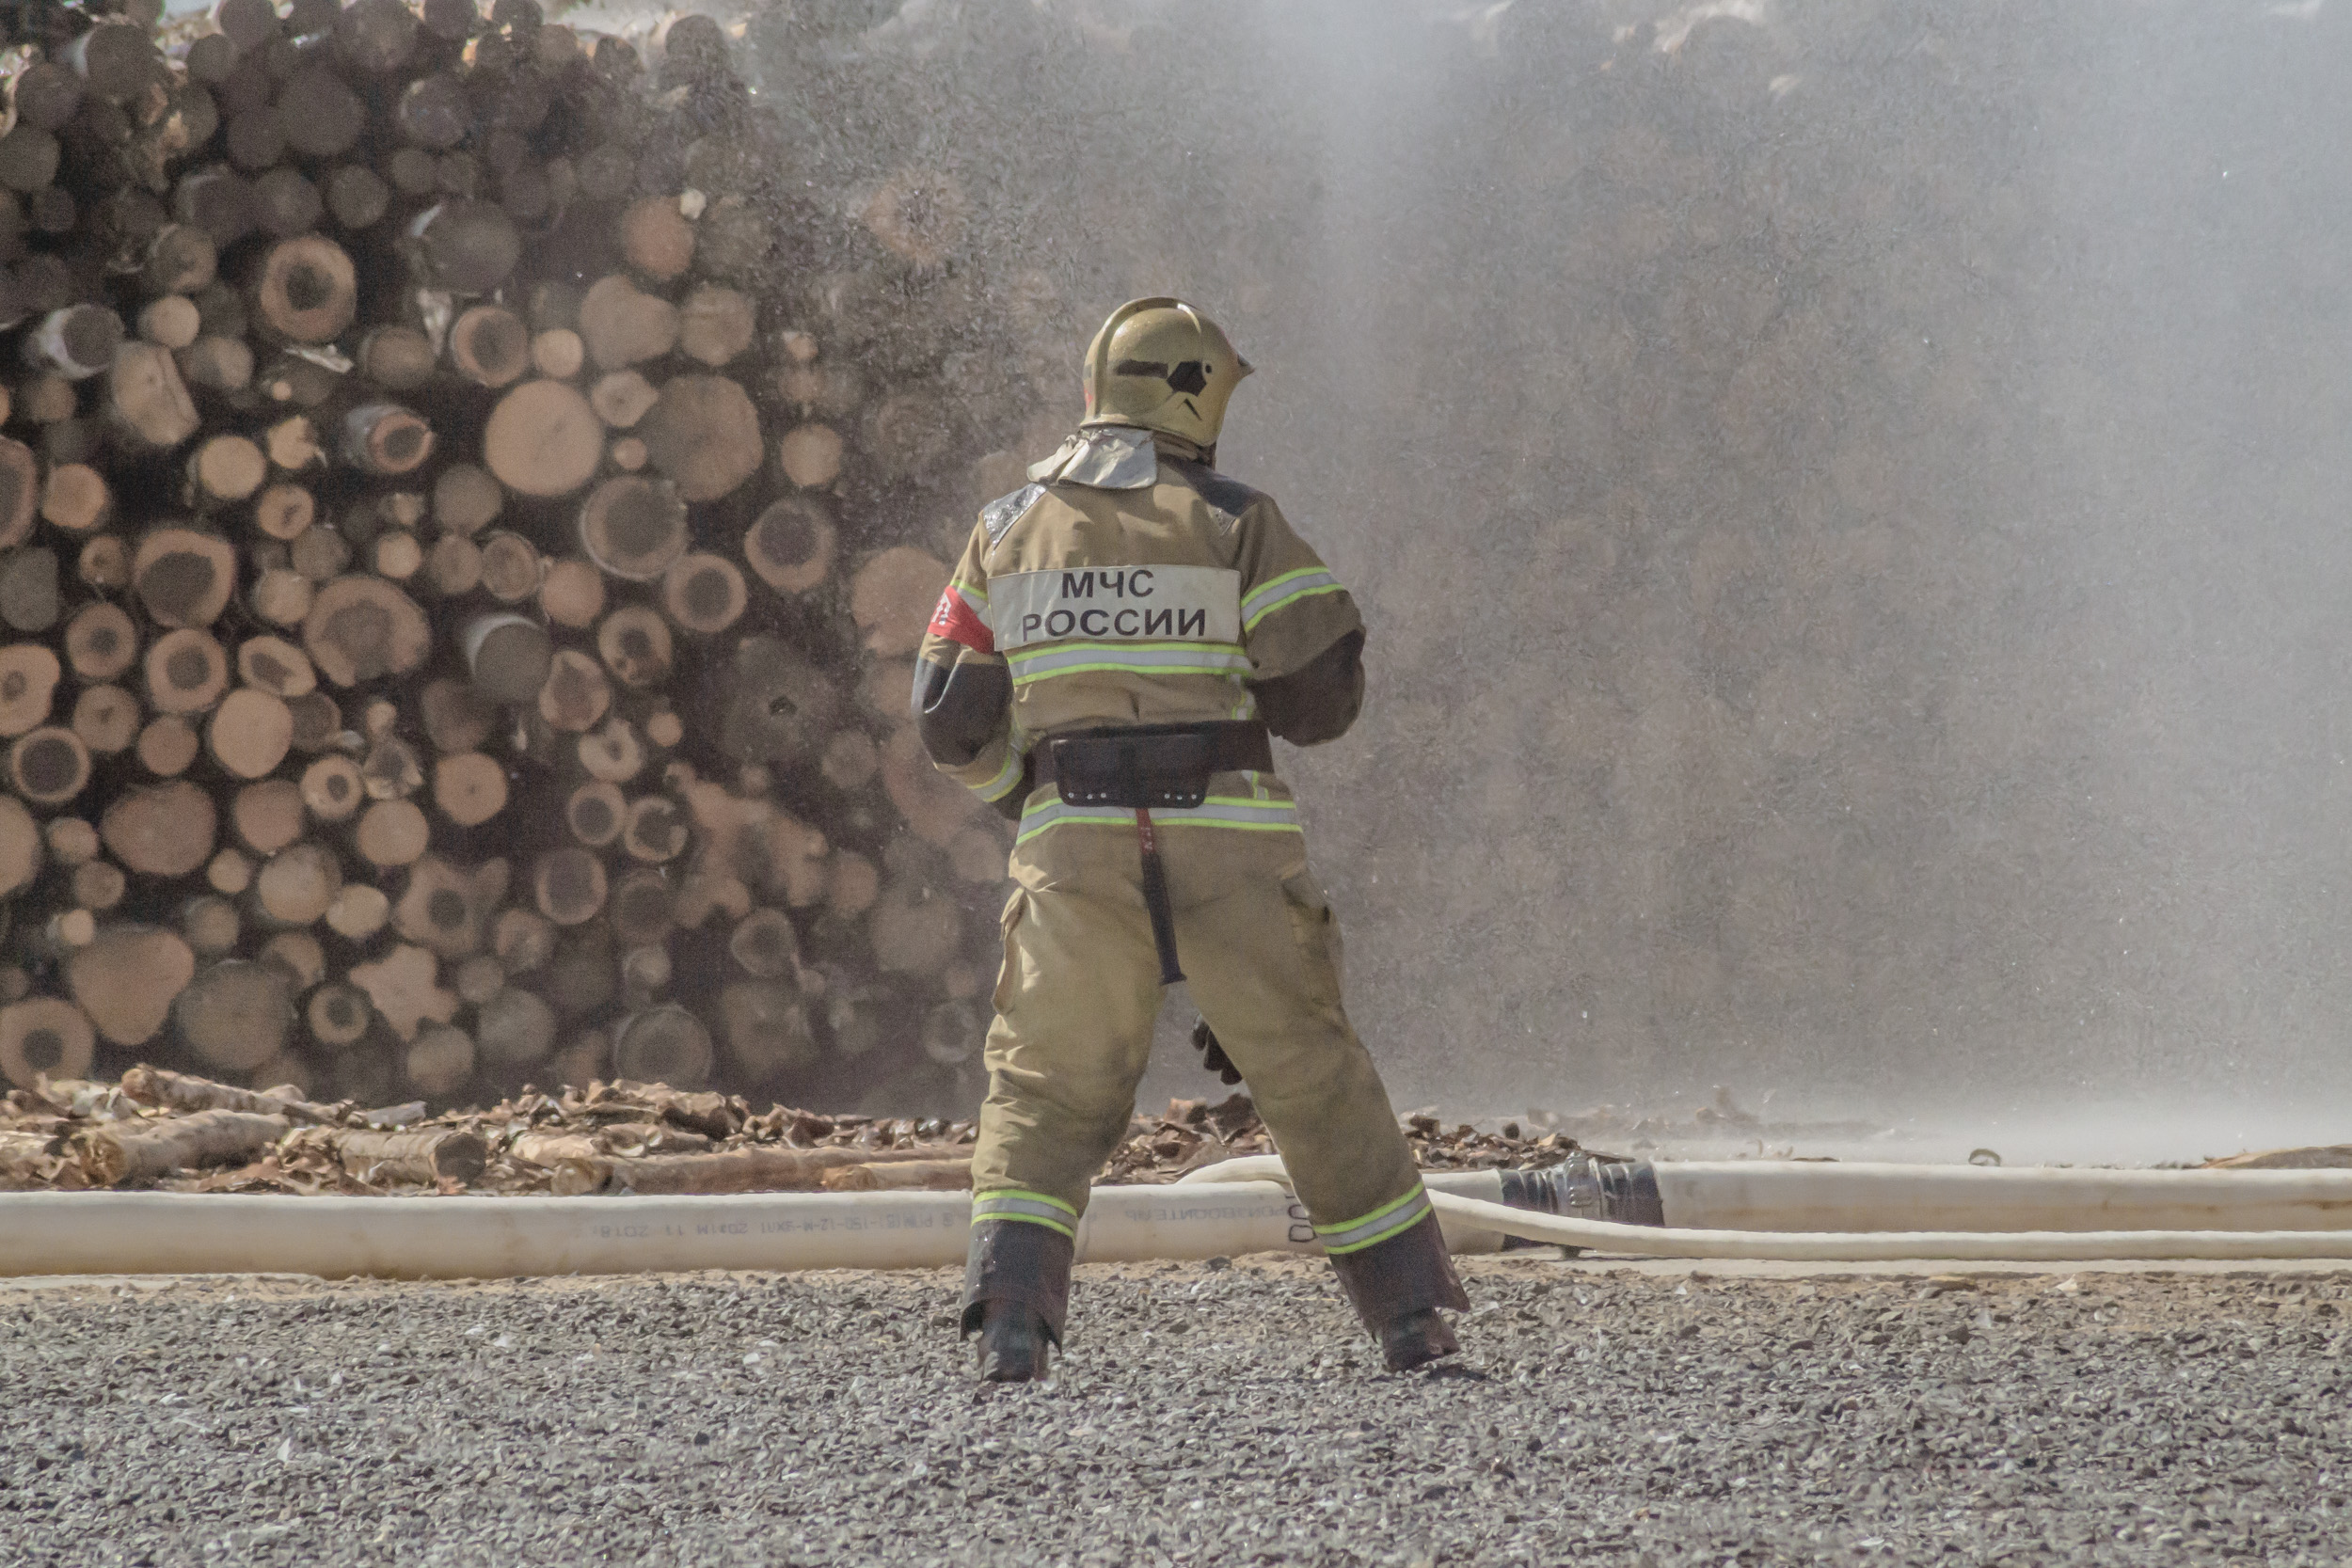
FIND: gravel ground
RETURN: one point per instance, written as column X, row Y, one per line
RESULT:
column 1208, row 1414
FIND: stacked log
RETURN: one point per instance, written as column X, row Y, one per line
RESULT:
column 458, row 596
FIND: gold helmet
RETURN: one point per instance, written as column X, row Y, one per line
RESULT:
column 1161, row 364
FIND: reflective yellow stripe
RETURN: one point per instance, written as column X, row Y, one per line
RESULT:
column 1219, row 811
column 1270, row 596
column 1130, row 659
column 1002, row 785
column 1013, row 1203
column 1377, row 1226
column 976, row 597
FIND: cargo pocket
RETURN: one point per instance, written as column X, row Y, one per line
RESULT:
column 1015, row 907
column 1317, row 933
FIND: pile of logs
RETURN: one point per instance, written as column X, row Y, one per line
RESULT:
column 182, row 1133
column 457, row 597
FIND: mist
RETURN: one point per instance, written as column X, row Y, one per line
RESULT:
column 1849, row 500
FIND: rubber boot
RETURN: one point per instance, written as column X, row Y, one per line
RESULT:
column 1397, row 1287
column 1416, row 1339
column 1013, row 1344
column 1016, row 1296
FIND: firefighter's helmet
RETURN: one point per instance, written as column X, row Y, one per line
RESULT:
column 1161, row 364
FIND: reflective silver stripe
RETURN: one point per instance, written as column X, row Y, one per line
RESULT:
column 1194, row 658
column 1271, row 596
column 1379, row 1226
column 1219, row 811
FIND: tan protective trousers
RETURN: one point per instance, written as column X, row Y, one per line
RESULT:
column 1080, row 993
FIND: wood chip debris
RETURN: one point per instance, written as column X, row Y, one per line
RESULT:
column 177, row 1132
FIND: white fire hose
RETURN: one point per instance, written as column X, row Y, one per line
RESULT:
column 1799, row 1211
column 2322, row 1193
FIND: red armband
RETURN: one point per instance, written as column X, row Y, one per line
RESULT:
column 957, row 622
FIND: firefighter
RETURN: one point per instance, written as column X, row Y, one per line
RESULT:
column 1115, row 646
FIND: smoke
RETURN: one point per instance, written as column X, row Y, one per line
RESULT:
column 1849, row 500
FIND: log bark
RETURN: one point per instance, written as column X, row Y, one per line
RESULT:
column 428, row 1155
column 184, row 1091
column 737, row 1170
column 903, row 1175
column 138, row 1152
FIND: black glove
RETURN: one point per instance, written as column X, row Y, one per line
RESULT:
column 1213, row 1057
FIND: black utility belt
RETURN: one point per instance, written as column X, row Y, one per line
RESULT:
column 1150, row 767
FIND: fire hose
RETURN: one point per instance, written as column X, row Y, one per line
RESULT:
column 1791, row 1210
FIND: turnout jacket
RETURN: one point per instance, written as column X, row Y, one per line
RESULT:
column 1132, row 583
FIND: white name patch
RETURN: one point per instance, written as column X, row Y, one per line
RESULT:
column 1116, row 604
